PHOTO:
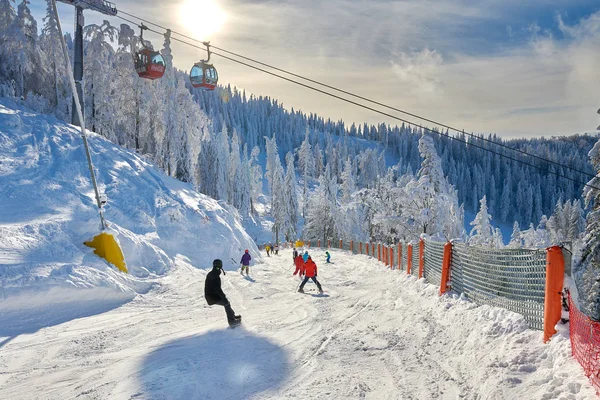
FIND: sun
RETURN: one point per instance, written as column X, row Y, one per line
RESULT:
column 202, row 18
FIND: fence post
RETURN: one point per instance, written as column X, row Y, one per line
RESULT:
column 409, row 258
column 399, row 256
column 367, row 248
column 555, row 272
column 391, row 258
column 446, row 268
column 421, row 257
column 351, row 247
column 359, row 247
column 308, row 244
column 341, row 245
column 328, row 243
column 379, row 252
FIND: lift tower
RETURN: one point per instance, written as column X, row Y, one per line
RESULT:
column 103, row 6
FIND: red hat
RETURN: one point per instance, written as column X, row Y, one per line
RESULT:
column 245, row 251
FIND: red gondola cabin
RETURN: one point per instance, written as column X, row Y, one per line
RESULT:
column 149, row 64
column 204, row 76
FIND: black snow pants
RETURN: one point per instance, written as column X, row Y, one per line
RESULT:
column 228, row 310
column 314, row 279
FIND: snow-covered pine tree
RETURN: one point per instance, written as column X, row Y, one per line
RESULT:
column 482, row 232
column 591, row 247
column 98, row 80
column 20, row 51
column 222, row 167
column 319, row 223
column 244, row 184
column 272, row 163
column 279, row 208
column 256, row 177
column 57, row 90
column 515, row 239
column 290, row 228
column 306, row 163
column 234, row 174
column 348, row 182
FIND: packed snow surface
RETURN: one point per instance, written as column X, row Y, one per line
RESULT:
column 376, row 334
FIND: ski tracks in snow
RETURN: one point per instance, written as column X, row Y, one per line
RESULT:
column 379, row 335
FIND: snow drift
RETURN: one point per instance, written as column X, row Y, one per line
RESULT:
column 48, row 211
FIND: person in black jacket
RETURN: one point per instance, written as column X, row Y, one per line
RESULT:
column 214, row 294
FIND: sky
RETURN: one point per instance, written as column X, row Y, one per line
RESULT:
column 512, row 68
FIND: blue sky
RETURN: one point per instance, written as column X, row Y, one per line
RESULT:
column 513, row 67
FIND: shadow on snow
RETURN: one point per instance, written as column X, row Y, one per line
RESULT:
column 224, row 364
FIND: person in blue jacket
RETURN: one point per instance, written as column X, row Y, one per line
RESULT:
column 305, row 256
column 328, row 257
column 245, row 262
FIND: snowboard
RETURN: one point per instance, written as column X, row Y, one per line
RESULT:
column 236, row 324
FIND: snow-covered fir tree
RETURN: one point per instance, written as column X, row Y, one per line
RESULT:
column 516, row 241
column 591, row 248
column 482, row 232
column 290, row 184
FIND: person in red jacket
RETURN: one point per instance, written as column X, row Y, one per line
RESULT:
column 310, row 272
column 299, row 263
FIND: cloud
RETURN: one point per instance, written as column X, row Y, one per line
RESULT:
column 420, row 71
column 511, row 67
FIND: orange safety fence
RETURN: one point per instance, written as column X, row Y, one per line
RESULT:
column 585, row 343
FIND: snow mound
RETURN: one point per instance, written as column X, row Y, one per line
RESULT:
column 48, row 211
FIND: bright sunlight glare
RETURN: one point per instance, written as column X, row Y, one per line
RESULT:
column 202, row 17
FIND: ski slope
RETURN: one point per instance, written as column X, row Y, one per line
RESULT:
column 48, row 210
column 378, row 335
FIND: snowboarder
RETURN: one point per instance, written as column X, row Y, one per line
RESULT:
column 294, row 255
column 305, row 257
column 214, row 294
column 299, row 263
column 268, row 248
column 245, row 262
column 310, row 271
column 328, row 257
column 276, row 249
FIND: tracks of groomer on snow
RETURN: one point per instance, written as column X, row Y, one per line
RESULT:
column 379, row 334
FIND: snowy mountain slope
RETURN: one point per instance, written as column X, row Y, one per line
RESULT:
column 379, row 335
column 48, row 211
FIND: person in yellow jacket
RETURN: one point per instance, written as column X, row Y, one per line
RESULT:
column 268, row 249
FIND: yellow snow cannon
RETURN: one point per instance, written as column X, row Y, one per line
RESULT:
column 105, row 245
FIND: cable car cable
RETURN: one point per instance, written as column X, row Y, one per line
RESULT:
column 384, row 113
column 449, row 127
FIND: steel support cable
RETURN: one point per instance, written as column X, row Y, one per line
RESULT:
column 373, row 109
column 449, row 127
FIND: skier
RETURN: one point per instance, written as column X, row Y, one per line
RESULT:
column 299, row 263
column 310, row 271
column 305, row 257
column 276, row 249
column 328, row 257
column 245, row 262
column 214, row 294
column 294, row 255
column 268, row 248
